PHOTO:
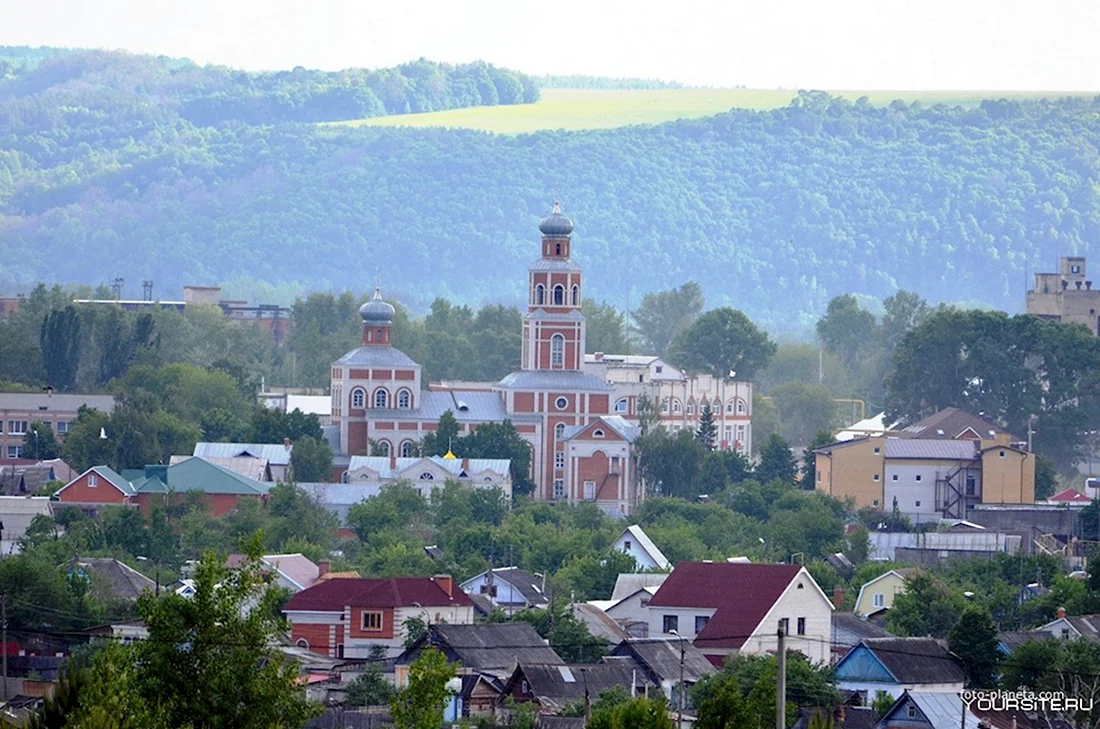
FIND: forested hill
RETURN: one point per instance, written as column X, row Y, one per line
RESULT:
column 774, row 212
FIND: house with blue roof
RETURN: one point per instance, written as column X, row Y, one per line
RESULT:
column 895, row 665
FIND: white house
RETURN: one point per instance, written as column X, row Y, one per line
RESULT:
column 728, row 608
column 895, row 665
column 428, row 474
column 635, row 542
column 509, row 588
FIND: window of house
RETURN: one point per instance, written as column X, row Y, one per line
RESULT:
column 540, row 294
column 557, row 350
column 407, row 449
column 524, row 687
column 971, row 486
column 677, row 406
column 372, row 620
column 729, row 407
column 700, row 623
column 691, row 407
column 615, row 461
column 1075, row 269
column 15, row 451
column 62, row 427
column 19, row 427
column 561, row 403
column 801, row 626
column 918, row 504
column 875, row 502
column 877, row 450
column 660, row 369
column 819, row 476
column 357, row 398
column 404, row 399
column 559, row 488
column 621, row 405
column 894, row 477
column 384, row 447
column 559, row 460
column 1000, row 454
column 576, row 295
column 911, row 711
column 670, row 623
column 559, row 429
column 626, row 545
column 740, row 407
column 559, row 295
column 917, row 477
column 381, row 398
column 597, row 433
column 786, row 623
column 93, row 480
column 589, row 490
column 875, row 478
column 664, row 405
column 879, row 599
column 426, row 476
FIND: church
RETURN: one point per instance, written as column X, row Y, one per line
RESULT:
column 580, row 450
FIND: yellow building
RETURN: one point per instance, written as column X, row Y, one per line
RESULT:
column 879, row 593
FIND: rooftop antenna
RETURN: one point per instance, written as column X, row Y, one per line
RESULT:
column 116, row 287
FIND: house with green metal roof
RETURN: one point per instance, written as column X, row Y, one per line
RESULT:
column 220, row 487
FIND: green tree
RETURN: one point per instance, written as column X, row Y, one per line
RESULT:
column 670, row 463
column 847, row 330
column 1046, row 477
column 926, row 607
column 420, row 705
column 370, row 688
column 777, row 463
column 663, row 314
column 804, row 410
column 707, row 432
column 311, row 460
column 60, row 340
column 631, row 713
column 974, row 640
column 443, row 438
column 500, row 440
column 606, row 329
column 722, row 341
column 904, row 311
column 39, row 442
column 765, row 421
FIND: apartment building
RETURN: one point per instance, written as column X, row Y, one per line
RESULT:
column 57, row 410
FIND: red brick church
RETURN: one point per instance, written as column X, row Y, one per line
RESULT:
column 580, row 451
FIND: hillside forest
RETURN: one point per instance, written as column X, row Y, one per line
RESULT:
column 154, row 168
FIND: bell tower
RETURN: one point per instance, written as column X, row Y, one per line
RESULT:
column 553, row 328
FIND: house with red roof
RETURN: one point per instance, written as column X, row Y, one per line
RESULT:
column 1070, row 496
column 728, row 608
column 344, row 618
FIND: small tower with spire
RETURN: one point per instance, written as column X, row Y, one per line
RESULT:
column 553, row 328
column 377, row 318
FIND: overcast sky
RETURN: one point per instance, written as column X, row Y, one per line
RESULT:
column 827, row 44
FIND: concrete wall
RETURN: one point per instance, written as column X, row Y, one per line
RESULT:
column 1030, row 519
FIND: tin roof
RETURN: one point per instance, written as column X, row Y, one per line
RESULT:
column 939, row 450
column 276, row 454
column 376, row 357
column 56, row 402
column 557, row 381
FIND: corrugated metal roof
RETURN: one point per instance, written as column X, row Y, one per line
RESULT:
column 376, row 357
column 196, row 474
column 276, row 454
column 942, row 710
column 647, row 544
column 555, row 264
column 944, row 450
column 254, row 468
column 115, row 478
column 65, row 402
column 627, row 583
column 387, row 469
column 571, row 381
column 543, row 315
column 468, row 406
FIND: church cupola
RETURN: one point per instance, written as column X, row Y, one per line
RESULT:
column 556, row 229
column 377, row 318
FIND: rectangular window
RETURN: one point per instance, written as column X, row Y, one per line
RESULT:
column 879, row 600
column 589, row 490
column 559, row 460
column 875, row 502
column 971, row 485
column 626, row 545
column 19, row 427
column 700, row 623
column 875, row 478
column 15, row 451
column 819, row 476
column 801, row 626
column 1000, row 454
column 660, row 369
column 894, row 477
column 918, row 504
column 670, row 623
column 917, row 477
column 877, row 450
column 559, row 488
column 786, row 625
column 62, row 427
column 372, row 621
column 93, row 481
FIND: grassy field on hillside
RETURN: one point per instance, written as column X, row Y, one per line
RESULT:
column 574, row 109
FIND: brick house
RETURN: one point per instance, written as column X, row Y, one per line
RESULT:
column 344, row 618
column 99, row 485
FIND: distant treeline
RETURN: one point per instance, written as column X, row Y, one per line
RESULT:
column 603, row 82
column 211, row 95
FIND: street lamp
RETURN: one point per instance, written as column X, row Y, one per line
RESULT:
column 680, row 692
column 156, row 566
column 764, row 545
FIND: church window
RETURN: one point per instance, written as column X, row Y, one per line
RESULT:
column 664, row 405
column 384, row 447
column 407, row 449
column 559, row 431
column 559, row 460
column 557, row 350
column 597, row 433
column 381, row 398
column 540, row 294
column 427, row 476
column 691, row 407
column 561, row 403
column 559, row 295
column 576, row 295
column 557, row 249
column 404, row 399
column 729, row 407
column 740, row 406
column 559, row 488
column 677, row 406
column 621, row 405
column 357, row 397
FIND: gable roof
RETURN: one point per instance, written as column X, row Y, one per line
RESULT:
column 1071, row 495
column 109, row 475
column 276, row 454
column 940, row 709
column 616, row 423
column 662, row 658
column 254, row 468
column 598, row 622
column 529, row 586
column 120, row 580
column 952, row 423
column 741, row 594
column 334, row 595
column 853, row 717
column 912, row 660
column 297, row 568
column 1010, row 640
column 487, row 645
column 198, row 474
column 857, row 626
column 642, row 540
column 558, row 381
column 629, row 583
column 555, row 685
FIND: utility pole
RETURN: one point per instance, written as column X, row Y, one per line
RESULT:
column 4, row 639
column 781, row 679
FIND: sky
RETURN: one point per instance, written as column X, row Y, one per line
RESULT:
column 820, row 44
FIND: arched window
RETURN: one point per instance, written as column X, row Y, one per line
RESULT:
column 677, row 406
column 540, row 294
column 557, row 249
column 740, row 406
column 621, row 405
column 664, row 405
column 597, row 433
column 426, row 476
column 381, row 398
column 576, row 294
column 302, row 643
column 691, row 407
column 559, row 295
column 557, row 351
column 404, row 399
column 729, row 407
column 407, row 449
column 559, row 431
column 358, row 397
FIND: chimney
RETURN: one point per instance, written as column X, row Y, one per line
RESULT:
column 599, row 356
column 286, row 443
column 393, row 459
column 445, row 583
column 466, row 464
column 323, row 568
column 838, row 597
column 1061, row 613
